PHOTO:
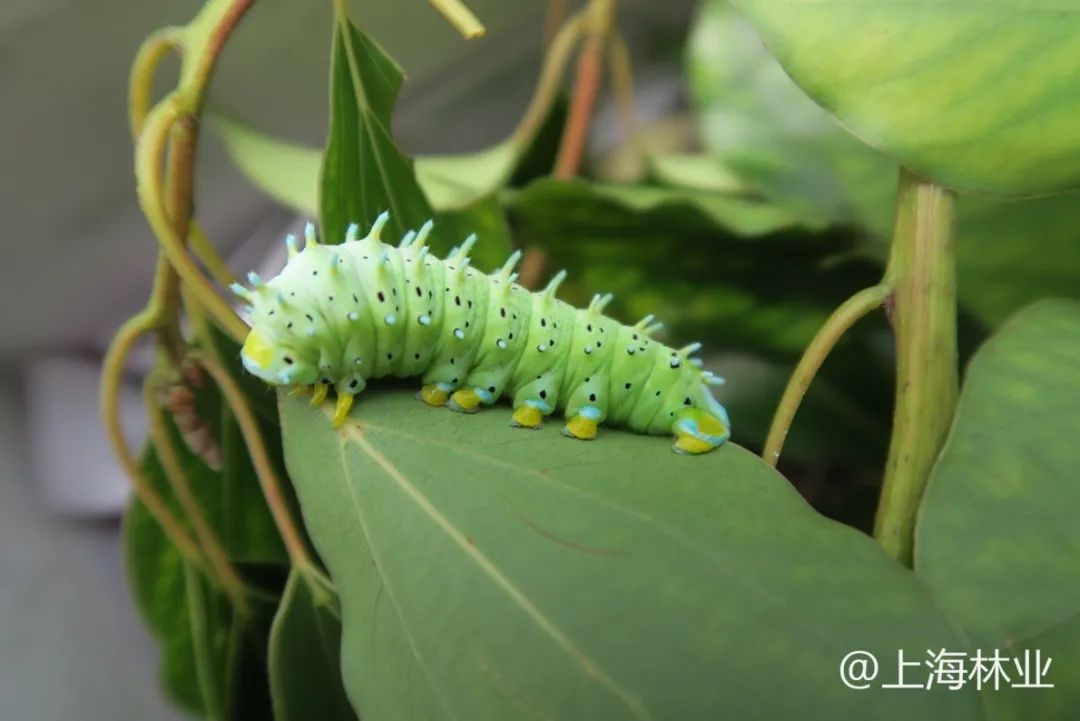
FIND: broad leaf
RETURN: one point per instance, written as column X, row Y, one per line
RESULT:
column 763, row 127
column 305, row 655
column 997, row 538
column 979, row 96
column 487, row 572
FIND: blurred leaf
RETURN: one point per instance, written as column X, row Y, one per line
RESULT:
column 157, row 576
column 286, row 172
column 454, row 181
column 893, row 73
column 756, row 120
column 213, row 660
column 997, row 538
column 491, row 572
column 305, row 657
column 1010, row 254
column 739, row 275
column 698, row 172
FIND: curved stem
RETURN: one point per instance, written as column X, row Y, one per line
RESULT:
column 141, row 79
column 842, row 319
column 111, row 377
column 217, row 557
column 206, row 253
column 551, row 73
column 622, row 85
column 272, row 488
column 923, row 266
column 460, row 17
column 586, row 86
column 148, row 157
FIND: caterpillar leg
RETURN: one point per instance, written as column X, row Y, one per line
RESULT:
column 698, row 432
column 299, row 391
column 469, row 400
column 319, row 395
column 528, row 415
column 435, row 394
column 582, row 425
column 341, row 409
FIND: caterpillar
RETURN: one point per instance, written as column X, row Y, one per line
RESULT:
column 340, row 315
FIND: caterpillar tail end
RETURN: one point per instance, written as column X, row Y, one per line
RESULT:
column 465, row 400
column 697, row 432
column 527, row 416
column 433, row 395
column 581, row 428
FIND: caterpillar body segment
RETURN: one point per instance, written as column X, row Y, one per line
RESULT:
column 340, row 315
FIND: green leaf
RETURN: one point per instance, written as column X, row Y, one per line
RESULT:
column 762, row 126
column 491, row 572
column 158, row 580
column 305, row 655
column 979, row 96
column 1010, row 254
column 997, row 537
column 363, row 172
column 759, row 123
column 699, row 172
column 213, row 659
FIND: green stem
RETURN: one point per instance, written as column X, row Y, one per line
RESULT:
column 826, row 339
column 923, row 269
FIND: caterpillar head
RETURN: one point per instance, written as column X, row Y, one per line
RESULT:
column 266, row 357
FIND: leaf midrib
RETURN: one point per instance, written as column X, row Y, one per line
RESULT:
column 488, row 567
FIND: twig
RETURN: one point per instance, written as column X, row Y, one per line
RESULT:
column 217, row 557
column 842, row 319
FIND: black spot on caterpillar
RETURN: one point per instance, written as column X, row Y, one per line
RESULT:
column 506, row 337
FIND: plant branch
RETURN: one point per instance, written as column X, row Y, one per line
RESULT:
column 842, row 319
column 272, row 488
column 579, row 117
column 141, row 80
column 622, row 85
column 217, row 558
column 460, row 17
column 922, row 264
column 148, row 160
column 111, row 378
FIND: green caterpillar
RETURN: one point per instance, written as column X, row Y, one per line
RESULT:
column 338, row 315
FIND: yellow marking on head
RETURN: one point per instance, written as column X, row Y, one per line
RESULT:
column 257, row 350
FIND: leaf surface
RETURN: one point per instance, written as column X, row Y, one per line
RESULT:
column 494, row 573
column 305, row 655
column 997, row 538
column 978, row 95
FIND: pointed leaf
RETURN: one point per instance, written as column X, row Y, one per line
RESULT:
column 305, row 655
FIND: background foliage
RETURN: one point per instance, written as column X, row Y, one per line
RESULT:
column 472, row 571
